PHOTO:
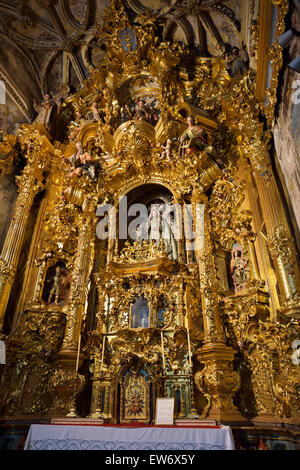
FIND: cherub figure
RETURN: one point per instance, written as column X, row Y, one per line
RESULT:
column 167, row 149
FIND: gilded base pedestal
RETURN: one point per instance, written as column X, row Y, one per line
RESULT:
column 219, row 382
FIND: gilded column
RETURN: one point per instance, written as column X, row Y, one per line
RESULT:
column 252, row 145
column 82, row 269
column 217, row 381
column 213, row 331
column 29, row 185
column 259, row 246
column 281, row 244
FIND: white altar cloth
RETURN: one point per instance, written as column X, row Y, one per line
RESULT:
column 61, row 437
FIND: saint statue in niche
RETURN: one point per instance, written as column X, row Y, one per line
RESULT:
column 159, row 229
column 141, row 112
column 140, row 313
column 55, row 292
column 57, row 284
column 74, row 160
column 162, row 308
column 125, row 113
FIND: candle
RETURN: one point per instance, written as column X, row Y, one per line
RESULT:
column 189, row 346
column 78, row 353
column 103, row 347
column 163, row 351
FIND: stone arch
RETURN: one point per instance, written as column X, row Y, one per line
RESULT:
column 184, row 25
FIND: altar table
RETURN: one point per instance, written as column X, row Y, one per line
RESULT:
column 66, row 437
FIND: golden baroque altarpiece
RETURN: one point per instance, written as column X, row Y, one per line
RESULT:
column 105, row 326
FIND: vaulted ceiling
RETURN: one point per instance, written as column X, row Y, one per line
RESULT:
column 51, row 45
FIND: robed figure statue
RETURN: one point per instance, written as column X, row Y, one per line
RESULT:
column 194, row 139
column 45, row 111
column 160, row 230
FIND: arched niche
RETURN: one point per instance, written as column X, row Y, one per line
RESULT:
column 148, row 225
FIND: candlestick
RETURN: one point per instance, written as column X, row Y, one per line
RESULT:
column 189, row 347
column 102, row 358
column 163, row 351
column 78, row 353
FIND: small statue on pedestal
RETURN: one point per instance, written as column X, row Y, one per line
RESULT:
column 45, row 111
column 56, row 288
column 239, row 267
